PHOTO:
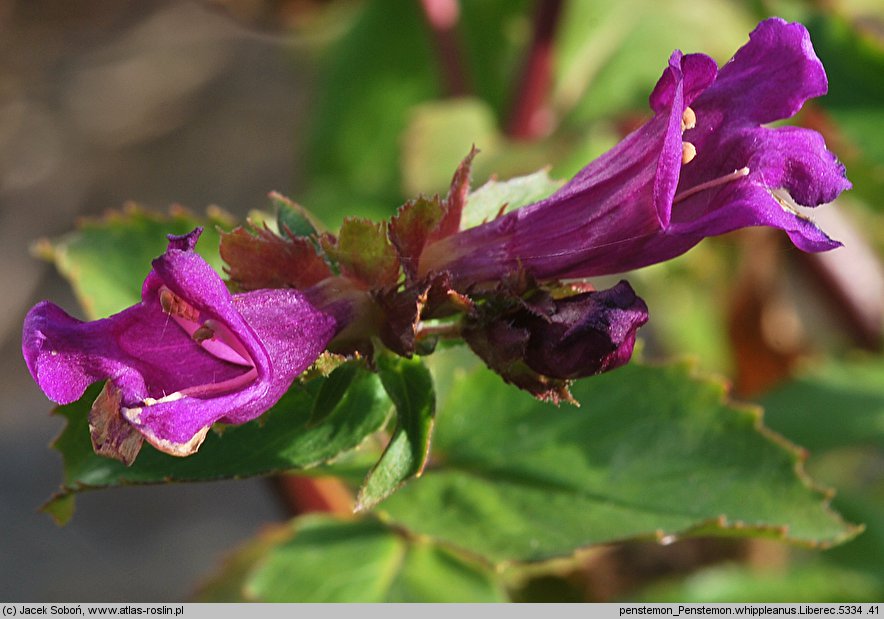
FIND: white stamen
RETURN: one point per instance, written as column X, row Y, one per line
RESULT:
column 721, row 180
column 171, row 397
column 166, row 398
column 788, row 204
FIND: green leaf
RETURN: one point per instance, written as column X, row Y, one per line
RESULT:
column 438, row 135
column 107, row 259
column 655, row 452
column 284, row 438
column 836, row 411
column 835, row 405
column 374, row 76
column 409, row 384
column 689, row 297
column 440, row 132
column 257, row 257
column 332, row 391
column 363, row 251
column 293, row 216
column 853, row 54
column 411, row 227
column 496, row 197
column 370, row 80
column 330, row 560
column 495, row 35
column 863, row 500
column 815, row 583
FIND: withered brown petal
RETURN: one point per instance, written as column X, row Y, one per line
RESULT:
column 112, row 436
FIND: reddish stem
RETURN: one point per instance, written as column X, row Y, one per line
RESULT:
column 530, row 117
column 303, row 495
column 442, row 17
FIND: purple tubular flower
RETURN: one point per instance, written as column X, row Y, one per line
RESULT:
column 703, row 165
column 188, row 355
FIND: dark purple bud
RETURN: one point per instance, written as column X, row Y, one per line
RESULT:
column 586, row 334
column 540, row 343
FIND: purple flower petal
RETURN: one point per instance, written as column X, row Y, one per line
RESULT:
column 781, row 164
column 784, row 165
column 188, row 355
column 770, row 77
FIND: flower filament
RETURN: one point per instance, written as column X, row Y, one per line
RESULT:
column 715, row 182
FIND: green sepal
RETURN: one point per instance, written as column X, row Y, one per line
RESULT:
column 410, row 386
column 363, row 252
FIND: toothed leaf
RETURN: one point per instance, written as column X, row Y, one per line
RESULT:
column 653, row 452
column 364, row 253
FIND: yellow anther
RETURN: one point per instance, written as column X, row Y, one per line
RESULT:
column 202, row 334
column 688, row 119
column 688, row 152
column 175, row 306
column 167, row 300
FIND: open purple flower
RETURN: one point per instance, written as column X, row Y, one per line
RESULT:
column 188, row 355
column 703, row 165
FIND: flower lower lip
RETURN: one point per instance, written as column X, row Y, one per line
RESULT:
column 199, row 391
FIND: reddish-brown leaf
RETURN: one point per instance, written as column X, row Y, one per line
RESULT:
column 261, row 259
column 410, row 229
column 425, row 220
column 404, row 309
column 454, row 203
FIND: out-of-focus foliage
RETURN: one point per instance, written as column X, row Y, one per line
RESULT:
column 322, row 559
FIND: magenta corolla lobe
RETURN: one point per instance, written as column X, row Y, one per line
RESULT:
column 188, row 355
